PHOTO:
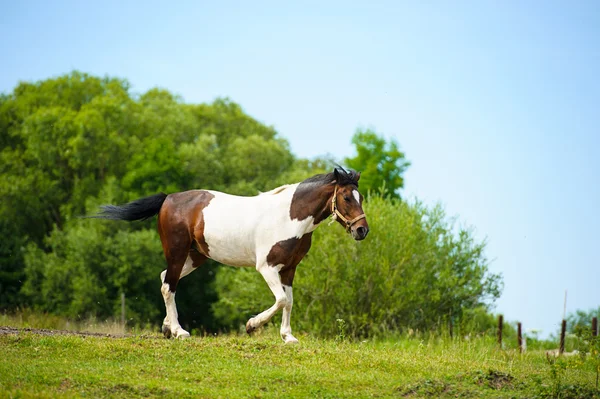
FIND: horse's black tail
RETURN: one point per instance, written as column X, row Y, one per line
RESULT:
column 140, row 209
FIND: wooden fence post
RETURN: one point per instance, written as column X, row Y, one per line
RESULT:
column 563, row 331
column 594, row 327
column 519, row 337
column 500, row 323
column 123, row 310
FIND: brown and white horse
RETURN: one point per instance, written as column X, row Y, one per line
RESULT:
column 271, row 231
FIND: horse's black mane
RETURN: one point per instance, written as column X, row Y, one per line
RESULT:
column 344, row 177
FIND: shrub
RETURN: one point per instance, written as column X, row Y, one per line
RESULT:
column 415, row 270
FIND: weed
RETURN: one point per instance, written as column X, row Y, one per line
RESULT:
column 341, row 330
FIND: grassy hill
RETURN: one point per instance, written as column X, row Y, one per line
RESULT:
column 66, row 365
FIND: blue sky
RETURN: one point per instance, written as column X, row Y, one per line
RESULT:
column 496, row 104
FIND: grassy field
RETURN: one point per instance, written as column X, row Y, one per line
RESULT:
column 231, row 366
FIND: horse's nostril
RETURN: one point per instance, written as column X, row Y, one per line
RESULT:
column 361, row 231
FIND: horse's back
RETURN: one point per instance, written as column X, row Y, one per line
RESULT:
column 236, row 228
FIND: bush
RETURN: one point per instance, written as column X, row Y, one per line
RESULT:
column 415, row 270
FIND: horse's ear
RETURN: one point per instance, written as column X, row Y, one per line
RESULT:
column 336, row 174
column 357, row 176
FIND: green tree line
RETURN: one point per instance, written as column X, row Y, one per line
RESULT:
column 72, row 143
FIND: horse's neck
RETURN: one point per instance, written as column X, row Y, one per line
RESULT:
column 315, row 200
column 324, row 208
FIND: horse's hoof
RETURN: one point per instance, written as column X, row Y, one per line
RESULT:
column 249, row 327
column 182, row 334
column 290, row 339
column 166, row 330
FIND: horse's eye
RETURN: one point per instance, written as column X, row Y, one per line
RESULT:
column 346, row 198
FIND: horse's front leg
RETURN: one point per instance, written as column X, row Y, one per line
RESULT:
column 271, row 276
column 287, row 277
column 286, row 328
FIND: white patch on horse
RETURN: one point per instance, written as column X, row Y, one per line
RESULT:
column 286, row 328
column 356, row 196
column 171, row 320
column 277, row 267
column 271, row 276
column 187, row 267
column 240, row 231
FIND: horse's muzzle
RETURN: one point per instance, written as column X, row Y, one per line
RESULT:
column 360, row 233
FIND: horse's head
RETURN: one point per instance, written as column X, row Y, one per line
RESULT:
column 346, row 203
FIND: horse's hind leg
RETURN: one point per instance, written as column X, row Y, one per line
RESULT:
column 181, row 260
column 171, row 326
column 170, row 278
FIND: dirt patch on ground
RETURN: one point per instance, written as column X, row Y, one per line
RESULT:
column 494, row 379
column 429, row 388
column 13, row 330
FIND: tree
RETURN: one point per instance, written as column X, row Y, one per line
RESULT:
column 381, row 163
column 581, row 320
column 74, row 142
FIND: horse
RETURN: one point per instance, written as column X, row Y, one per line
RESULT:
column 271, row 231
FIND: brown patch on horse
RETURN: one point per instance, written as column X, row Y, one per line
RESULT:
column 311, row 200
column 289, row 253
column 199, row 228
column 197, row 258
column 180, row 225
column 280, row 252
column 313, row 196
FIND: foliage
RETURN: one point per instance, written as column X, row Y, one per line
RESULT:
column 381, row 164
column 88, row 268
column 302, row 169
column 412, row 271
column 580, row 321
column 479, row 321
column 11, row 265
column 583, row 339
column 71, row 143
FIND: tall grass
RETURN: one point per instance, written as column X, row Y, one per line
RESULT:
column 27, row 318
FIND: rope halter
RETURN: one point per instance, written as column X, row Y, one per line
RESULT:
column 337, row 214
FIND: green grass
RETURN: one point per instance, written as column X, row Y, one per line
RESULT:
column 262, row 366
